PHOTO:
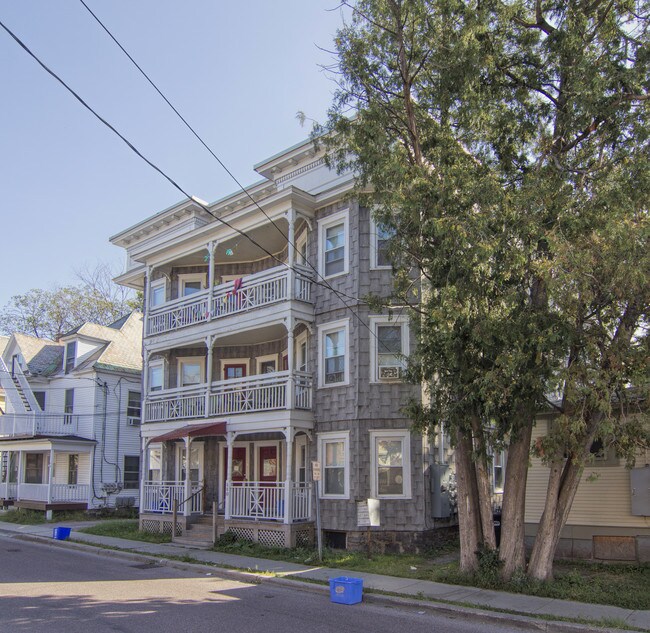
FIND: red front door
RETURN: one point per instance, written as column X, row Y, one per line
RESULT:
column 239, row 472
column 268, row 467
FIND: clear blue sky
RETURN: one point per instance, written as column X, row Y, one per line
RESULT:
column 238, row 71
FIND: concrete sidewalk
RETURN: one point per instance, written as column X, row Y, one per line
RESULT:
column 408, row 588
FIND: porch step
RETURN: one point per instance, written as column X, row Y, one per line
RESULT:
column 196, row 544
column 198, row 534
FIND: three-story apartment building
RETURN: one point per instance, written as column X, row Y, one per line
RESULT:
column 261, row 356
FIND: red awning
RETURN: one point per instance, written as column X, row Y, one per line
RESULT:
column 192, row 430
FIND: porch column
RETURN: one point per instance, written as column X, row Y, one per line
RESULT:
column 291, row 252
column 288, row 435
column 50, row 475
column 144, row 475
column 230, row 439
column 209, row 341
column 212, row 247
column 187, row 506
column 145, row 299
column 291, row 362
column 145, row 384
column 19, row 475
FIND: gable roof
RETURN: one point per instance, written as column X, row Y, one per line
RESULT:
column 42, row 356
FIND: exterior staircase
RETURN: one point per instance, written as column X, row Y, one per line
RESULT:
column 21, row 394
column 198, row 534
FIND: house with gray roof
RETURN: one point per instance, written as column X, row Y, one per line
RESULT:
column 69, row 431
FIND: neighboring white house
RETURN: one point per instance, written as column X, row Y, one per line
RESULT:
column 69, row 436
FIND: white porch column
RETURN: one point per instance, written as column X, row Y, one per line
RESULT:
column 291, row 363
column 145, row 384
column 230, row 439
column 146, row 298
column 288, row 435
column 19, row 475
column 144, row 471
column 50, row 475
column 209, row 341
column 187, row 507
column 212, row 247
column 291, row 252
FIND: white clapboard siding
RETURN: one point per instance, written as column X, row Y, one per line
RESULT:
column 603, row 501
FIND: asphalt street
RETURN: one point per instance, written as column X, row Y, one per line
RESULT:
column 54, row 590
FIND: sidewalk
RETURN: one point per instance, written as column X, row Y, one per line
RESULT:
column 404, row 587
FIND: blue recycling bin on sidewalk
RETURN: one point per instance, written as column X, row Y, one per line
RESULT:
column 61, row 533
column 346, row 590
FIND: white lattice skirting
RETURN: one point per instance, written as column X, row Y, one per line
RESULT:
column 271, row 534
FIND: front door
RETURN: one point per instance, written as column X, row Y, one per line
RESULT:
column 238, row 463
column 268, row 463
column 234, row 370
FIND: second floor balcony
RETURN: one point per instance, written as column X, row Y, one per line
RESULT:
column 25, row 425
column 266, row 392
column 241, row 295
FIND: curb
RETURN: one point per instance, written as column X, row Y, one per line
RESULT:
column 371, row 596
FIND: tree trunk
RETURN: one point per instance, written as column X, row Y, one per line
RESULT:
column 468, row 515
column 483, row 486
column 512, row 549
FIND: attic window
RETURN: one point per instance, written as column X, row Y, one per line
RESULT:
column 70, row 356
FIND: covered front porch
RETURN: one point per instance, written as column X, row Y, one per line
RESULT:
column 249, row 482
column 46, row 474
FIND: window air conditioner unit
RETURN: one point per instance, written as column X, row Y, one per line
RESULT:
column 390, row 372
column 132, row 421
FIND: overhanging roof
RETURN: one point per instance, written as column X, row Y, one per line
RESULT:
column 192, row 430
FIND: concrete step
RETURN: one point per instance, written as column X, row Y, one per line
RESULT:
column 189, row 542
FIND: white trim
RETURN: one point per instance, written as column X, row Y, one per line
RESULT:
column 299, row 442
column 301, row 241
column 190, row 360
column 374, row 235
column 387, row 319
column 301, row 339
column 405, row 436
column 265, row 359
column 226, row 278
column 323, row 330
column 180, row 447
column 184, row 278
column 323, row 225
column 162, row 283
column 335, row 436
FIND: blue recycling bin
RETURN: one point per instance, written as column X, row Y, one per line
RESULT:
column 61, row 533
column 346, row 590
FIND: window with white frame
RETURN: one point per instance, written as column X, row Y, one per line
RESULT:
column 157, row 293
column 131, row 472
column 301, row 248
column 498, row 470
column 333, row 245
column 190, row 371
column 156, row 375
column 190, row 283
column 333, row 454
column 389, row 347
column 70, row 356
column 390, row 461
column 155, row 462
column 73, row 469
column 380, row 237
column 267, row 364
column 134, row 407
column 333, row 353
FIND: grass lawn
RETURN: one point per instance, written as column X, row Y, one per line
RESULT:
column 621, row 585
column 126, row 528
column 35, row 517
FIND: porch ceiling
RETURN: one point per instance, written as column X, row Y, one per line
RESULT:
column 253, row 337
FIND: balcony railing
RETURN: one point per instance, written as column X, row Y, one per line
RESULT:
column 256, row 291
column 159, row 496
column 54, row 493
column 260, row 500
column 266, row 392
column 32, row 424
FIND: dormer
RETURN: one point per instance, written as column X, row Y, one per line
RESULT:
column 70, row 356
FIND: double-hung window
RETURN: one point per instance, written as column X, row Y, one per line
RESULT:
column 333, row 353
column 157, row 293
column 333, row 237
column 134, row 407
column 70, row 356
column 380, row 237
column 389, row 347
column 333, row 451
column 190, row 371
column 73, row 469
column 68, row 407
column 156, row 376
column 190, row 283
column 390, row 459
column 131, row 471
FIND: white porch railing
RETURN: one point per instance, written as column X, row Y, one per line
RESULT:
column 256, row 291
column 159, row 496
column 265, row 500
column 56, row 493
column 265, row 392
column 31, row 424
column 8, row 490
column 176, row 404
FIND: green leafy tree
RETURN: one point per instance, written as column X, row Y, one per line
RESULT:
column 506, row 145
column 52, row 313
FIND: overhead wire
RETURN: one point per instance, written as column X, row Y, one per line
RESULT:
column 174, row 184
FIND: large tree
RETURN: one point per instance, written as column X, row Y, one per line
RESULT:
column 52, row 313
column 506, row 145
